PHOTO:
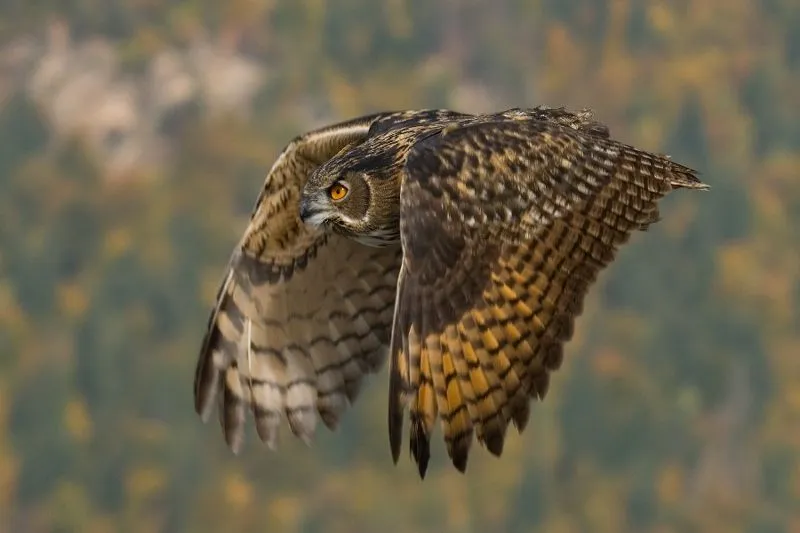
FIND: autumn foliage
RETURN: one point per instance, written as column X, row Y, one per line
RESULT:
column 677, row 408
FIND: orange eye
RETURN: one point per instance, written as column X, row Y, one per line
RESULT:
column 338, row 192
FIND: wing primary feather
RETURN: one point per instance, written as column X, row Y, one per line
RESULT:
column 423, row 407
column 454, row 351
column 210, row 369
column 458, row 434
column 234, row 410
column 424, row 404
column 398, row 346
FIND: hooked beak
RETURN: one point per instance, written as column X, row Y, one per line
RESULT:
column 310, row 213
column 305, row 208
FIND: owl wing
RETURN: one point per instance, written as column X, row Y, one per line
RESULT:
column 505, row 226
column 302, row 315
column 416, row 117
column 582, row 120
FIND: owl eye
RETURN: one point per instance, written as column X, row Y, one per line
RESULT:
column 338, row 191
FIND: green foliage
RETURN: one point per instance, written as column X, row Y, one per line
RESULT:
column 677, row 408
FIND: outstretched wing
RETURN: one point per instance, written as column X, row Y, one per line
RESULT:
column 302, row 315
column 582, row 120
column 505, row 225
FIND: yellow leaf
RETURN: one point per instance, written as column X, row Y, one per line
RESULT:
column 287, row 511
column 144, row 482
column 739, row 270
column 9, row 465
column 12, row 318
column 344, row 95
column 609, row 363
column 117, row 242
column 661, row 17
column 77, row 421
column 398, row 17
column 102, row 524
column 793, row 400
column 238, row 491
column 72, row 300
column 670, row 484
column 603, row 509
column 795, row 481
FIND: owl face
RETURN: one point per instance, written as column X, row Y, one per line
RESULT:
column 361, row 203
column 339, row 199
column 357, row 192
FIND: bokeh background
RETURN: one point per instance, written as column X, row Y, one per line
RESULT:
column 134, row 137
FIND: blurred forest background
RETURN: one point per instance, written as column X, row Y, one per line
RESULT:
column 134, row 137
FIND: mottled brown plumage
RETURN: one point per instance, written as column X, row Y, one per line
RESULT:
column 315, row 306
column 463, row 244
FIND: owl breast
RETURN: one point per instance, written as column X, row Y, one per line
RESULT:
column 379, row 238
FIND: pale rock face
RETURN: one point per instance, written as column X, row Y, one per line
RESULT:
column 82, row 89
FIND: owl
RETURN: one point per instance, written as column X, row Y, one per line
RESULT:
column 460, row 247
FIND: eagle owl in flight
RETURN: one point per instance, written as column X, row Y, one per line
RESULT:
column 460, row 246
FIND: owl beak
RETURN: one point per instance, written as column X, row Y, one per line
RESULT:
column 305, row 209
column 309, row 213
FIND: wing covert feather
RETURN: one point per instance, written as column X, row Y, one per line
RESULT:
column 505, row 225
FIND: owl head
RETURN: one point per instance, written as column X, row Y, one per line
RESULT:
column 357, row 192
